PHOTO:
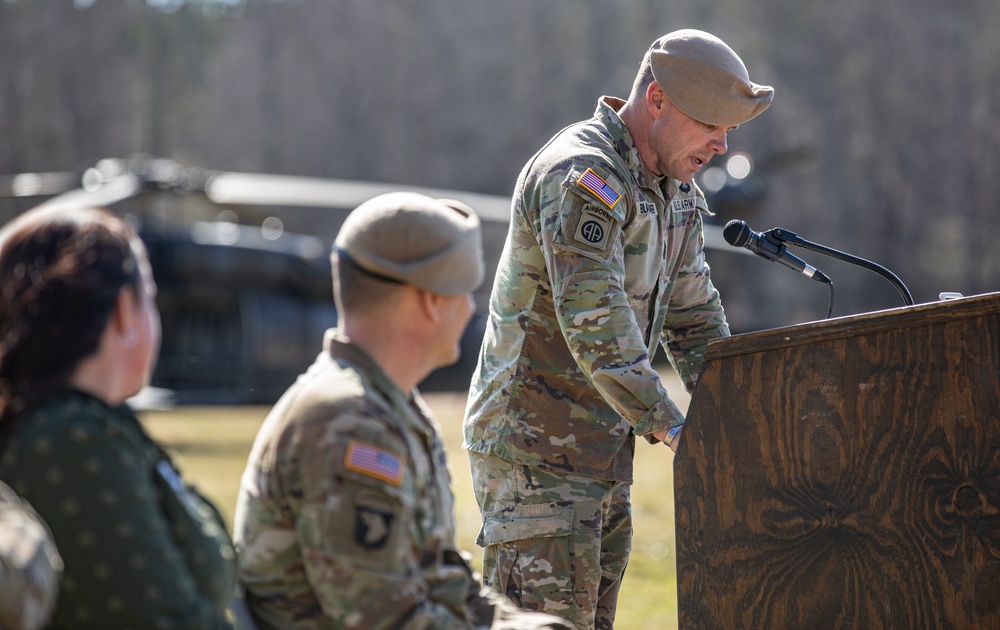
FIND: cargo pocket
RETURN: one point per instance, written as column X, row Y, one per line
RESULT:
column 531, row 548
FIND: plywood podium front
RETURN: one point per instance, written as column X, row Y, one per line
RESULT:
column 845, row 474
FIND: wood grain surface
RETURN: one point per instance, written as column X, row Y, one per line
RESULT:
column 844, row 474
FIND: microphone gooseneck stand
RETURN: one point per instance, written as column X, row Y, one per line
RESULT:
column 773, row 245
column 787, row 236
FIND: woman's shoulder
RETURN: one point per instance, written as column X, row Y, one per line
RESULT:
column 73, row 421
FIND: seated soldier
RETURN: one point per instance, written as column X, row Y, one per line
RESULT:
column 344, row 517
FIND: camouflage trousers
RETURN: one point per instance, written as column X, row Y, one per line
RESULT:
column 555, row 543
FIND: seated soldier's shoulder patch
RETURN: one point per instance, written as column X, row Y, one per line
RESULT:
column 373, row 461
column 373, row 522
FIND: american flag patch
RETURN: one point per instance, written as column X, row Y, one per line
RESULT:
column 593, row 182
column 374, row 462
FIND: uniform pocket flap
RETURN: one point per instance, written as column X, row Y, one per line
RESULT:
column 527, row 521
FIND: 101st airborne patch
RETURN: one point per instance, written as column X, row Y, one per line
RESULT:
column 372, row 527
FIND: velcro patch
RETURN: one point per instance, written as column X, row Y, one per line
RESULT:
column 684, row 204
column 595, row 184
column 374, row 462
column 593, row 229
column 372, row 527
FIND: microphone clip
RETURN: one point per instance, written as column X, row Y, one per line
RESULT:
column 779, row 236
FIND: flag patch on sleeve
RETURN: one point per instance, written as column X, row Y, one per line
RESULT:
column 373, row 462
column 593, row 182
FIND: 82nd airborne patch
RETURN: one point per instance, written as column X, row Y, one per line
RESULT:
column 594, row 228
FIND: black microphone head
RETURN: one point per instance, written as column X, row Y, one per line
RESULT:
column 737, row 233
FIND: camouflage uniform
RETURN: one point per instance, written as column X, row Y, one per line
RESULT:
column 344, row 518
column 603, row 261
column 29, row 565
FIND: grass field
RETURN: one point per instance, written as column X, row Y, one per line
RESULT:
column 211, row 445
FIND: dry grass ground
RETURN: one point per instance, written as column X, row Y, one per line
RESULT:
column 211, row 445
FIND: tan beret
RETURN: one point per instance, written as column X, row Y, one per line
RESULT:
column 706, row 79
column 434, row 244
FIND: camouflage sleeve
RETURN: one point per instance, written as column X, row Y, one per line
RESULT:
column 695, row 315
column 30, row 566
column 587, row 276
column 362, row 530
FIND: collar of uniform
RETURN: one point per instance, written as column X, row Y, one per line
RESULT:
column 607, row 113
column 338, row 346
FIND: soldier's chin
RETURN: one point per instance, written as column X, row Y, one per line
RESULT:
column 452, row 359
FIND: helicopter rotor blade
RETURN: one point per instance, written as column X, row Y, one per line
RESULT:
column 287, row 190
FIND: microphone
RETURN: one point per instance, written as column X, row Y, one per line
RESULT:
column 738, row 234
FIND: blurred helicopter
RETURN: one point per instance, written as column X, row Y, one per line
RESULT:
column 242, row 264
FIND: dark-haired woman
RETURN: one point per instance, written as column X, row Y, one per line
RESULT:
column 79, row 334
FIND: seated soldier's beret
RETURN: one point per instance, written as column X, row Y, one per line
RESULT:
column 706, row 79
column 406, row 237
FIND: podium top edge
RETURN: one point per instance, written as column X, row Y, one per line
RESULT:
column 854, row 325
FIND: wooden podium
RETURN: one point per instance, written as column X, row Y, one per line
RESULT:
column 845, row 474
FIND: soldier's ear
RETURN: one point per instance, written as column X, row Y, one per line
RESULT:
column 656, row 100
column 430, row 305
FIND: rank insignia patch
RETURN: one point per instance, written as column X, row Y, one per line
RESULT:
column 374, row 462
column 593, row 182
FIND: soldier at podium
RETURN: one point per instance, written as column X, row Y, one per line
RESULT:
column 603, row 261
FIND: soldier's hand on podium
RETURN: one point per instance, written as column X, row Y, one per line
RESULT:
column 676, row 440
column 671, row 437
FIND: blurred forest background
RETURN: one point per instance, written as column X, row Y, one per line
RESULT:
column 883, row 139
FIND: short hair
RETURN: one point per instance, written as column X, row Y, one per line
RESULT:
column 356, row 291
column 643, row 78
